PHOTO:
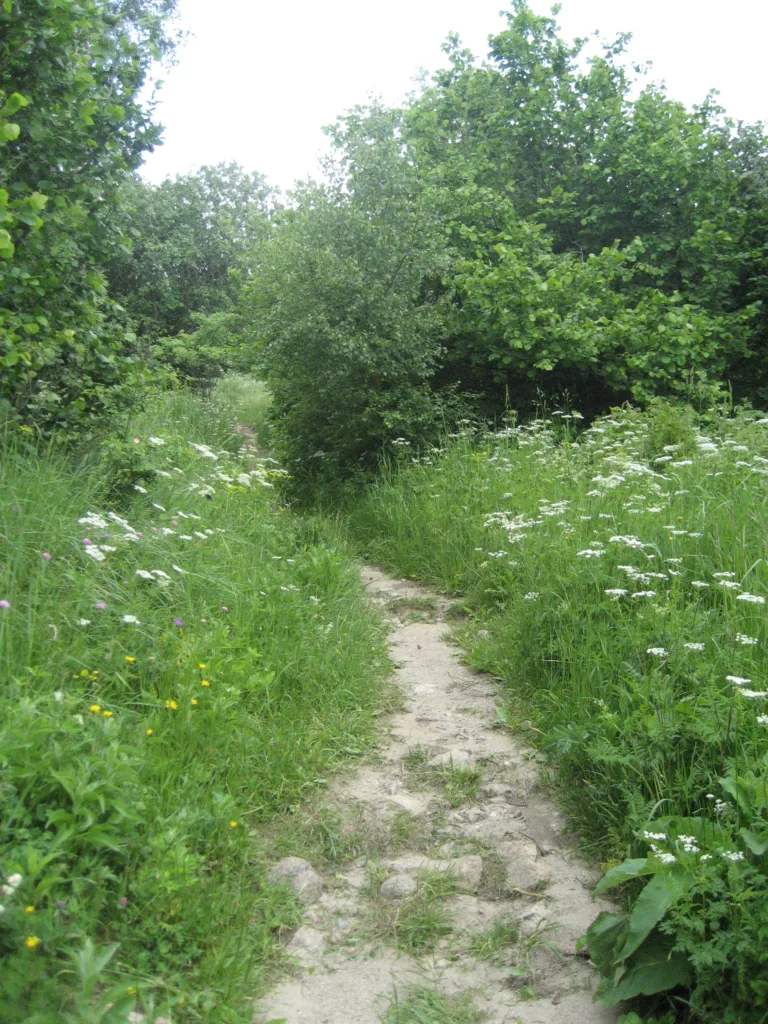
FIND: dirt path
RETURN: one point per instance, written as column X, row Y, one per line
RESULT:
column 457, row 801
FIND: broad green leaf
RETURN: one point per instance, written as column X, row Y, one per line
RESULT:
column 624, row 872
column 605, row 937
column 757, row 844
column 655, row 968
column 659, row 895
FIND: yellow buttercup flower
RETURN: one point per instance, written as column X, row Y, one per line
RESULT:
column 171, row 705
column 31, row 941
column 95, row 708
column 29, row 910
column 194, row 702
column 233, row 824
column 205, row 682
column 130, row 659
column 150, row 731
column 107, row 714
column 201, row 665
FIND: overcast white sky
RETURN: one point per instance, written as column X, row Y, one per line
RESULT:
column 258, row 79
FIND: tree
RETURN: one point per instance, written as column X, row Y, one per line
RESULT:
column 187, row 238
column 342, row 302
column 72, row 126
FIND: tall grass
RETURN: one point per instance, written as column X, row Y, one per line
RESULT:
column 618, row 583
column 208, row 666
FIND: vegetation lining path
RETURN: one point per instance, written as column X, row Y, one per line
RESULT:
column 477, row 915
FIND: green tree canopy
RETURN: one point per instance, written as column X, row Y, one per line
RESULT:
column 187, row 238
column 72, row 124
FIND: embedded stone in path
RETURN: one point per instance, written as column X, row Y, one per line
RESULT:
column 456, row 758
column 307, row 940
column 397, row 887
column 299, row 875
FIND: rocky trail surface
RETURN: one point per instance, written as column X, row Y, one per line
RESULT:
column 467, row 884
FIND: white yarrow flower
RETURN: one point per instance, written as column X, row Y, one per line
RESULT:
column 130, row 620
column 658, row 652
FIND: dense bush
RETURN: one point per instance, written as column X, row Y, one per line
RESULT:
column 345, row 319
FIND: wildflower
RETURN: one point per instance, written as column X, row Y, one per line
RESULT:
column 654, row 835
column 157, row 441
column 204, row 682
column 723, row 575
column 45, row 556
column 14, row 881
column 131, row 620
column 58, row 696
column 136, row 440
column 233, row 824
column 762, row 719
column 123, row 901
column 83, row 622
column 694, row 647
column 144, row 574
column 314, row 601
column 32, row 942
column 29, row 910
column 140, row 489
column 107, row 714
column 150, row 731
column 742, row 638
column 178, row 622
column 95, row 708
column 100, row 606
column 176, row 568
column 751, row 598
column 201, row 666
column 130, row 659
column 753, row 694
column 589, row 553
column 666, row 858
column 616, row 592
column 171, row 705
column 644, row 593
column 630, row 542
column 5, row 604
column 737, row 680
column 706, row 856
column 193, row 702
column 701, row 585
column 730, row 584
column 532, row 596
column 732, row 855
column 658, row 652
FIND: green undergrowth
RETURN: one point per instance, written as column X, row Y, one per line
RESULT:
column 182, row 658
column 617, row 584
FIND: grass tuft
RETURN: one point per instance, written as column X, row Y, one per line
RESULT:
column 421, row 1005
